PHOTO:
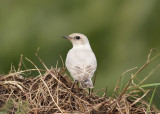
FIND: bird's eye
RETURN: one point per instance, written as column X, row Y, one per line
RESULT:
column 77, row 37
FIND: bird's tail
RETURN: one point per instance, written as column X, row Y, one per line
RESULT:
column 87, row 84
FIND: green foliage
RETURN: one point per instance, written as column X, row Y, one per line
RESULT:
column 150, row 85
column 150, row 102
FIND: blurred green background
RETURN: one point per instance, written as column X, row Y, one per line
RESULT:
column 121, row 33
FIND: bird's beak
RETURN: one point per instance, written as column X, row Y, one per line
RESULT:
column 66, row 37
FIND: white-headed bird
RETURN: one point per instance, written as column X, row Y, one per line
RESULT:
column 81, row 61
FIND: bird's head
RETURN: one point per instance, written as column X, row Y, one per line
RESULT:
column 77, row 39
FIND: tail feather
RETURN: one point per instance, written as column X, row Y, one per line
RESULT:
column 87, row 84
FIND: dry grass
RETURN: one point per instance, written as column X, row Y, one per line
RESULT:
column 50, row 92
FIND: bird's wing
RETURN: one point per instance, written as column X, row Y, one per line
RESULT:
column 82, row 73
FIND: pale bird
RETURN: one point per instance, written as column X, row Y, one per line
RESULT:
column 81, row 61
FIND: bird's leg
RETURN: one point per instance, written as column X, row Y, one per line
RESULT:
column 75, row 81
column 89, row 91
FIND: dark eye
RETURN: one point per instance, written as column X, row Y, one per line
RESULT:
column 77, row 37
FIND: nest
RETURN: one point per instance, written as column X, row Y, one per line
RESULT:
column 53, row 92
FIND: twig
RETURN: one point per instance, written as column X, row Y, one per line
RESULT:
column 45, row 85
column 122, row 76
column 149, row 75
column 20, row 63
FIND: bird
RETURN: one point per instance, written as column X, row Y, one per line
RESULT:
column 81, row 61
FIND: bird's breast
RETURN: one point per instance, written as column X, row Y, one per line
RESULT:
column 80, row 57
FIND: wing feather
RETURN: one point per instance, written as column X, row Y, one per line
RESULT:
column 82, row 73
